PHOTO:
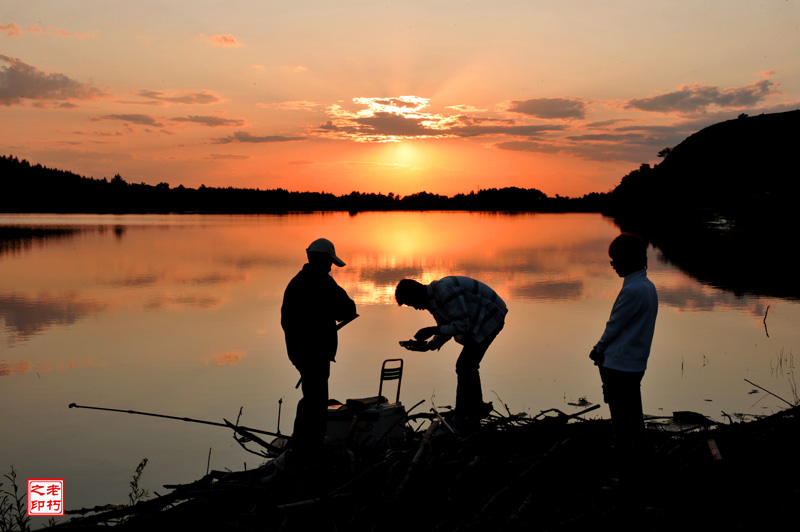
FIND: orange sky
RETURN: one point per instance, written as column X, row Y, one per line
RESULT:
column 391, row 96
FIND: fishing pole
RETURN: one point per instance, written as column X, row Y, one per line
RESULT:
column 191, row 420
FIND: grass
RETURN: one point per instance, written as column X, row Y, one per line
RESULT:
column 13, row 511
column 784, row 367
column 137, row 494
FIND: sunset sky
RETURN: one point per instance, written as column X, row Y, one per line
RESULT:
column 383, row 96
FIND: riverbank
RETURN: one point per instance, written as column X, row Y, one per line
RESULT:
column 551, row 472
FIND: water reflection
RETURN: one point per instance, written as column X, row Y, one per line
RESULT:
column 695, row 297
column 15, row 238
column 181, row 314
column 180, row 264
column 25, row 316
column 550, row 290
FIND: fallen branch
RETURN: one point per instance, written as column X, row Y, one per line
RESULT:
column 422, row 452
column 769, row 392
column 300, row 505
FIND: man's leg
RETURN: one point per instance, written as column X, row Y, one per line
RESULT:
column 469, row 395
column 311, row 422
column 622, row 392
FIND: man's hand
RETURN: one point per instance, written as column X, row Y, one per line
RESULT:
column 597, row 357
column 426, row 332
column 415, row 345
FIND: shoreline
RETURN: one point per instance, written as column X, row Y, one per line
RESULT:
column 552, row 472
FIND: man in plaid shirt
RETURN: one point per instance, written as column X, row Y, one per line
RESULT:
column 470, row 312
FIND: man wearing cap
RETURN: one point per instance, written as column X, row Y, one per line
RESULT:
column 470, row 312
column 312, row 305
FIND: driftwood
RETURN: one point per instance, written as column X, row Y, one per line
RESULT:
column 421, row 455
column 302, row 505
column 549, row 472
column 712, row 446
column 513, row 484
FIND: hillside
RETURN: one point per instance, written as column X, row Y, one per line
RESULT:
column 721, row 204
column 744, row 163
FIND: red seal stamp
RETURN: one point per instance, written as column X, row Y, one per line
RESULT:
column 45, row 496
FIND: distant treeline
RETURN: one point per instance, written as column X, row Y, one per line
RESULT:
column 26, row 187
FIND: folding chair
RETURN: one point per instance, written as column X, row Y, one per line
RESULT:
column 394, row 372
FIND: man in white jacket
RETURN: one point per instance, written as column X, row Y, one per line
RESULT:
column 623, row 350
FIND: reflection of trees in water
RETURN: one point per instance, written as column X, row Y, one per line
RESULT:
column 14, row 239
column 745, row 258
column 19, row 238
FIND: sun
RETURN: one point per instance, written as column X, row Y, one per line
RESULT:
column 405, row 154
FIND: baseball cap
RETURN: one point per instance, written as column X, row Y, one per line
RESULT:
column 323, row 245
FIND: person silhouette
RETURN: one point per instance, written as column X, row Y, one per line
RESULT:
column 312, row 305
column 621, row 353
column 473, row 314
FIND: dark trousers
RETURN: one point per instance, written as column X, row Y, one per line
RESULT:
column 622, row 391
column 310, row 423
column 469, row 395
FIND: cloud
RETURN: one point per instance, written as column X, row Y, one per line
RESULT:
column 141, row 119
column 528, row 145
column 230, row 358
column 11, row 30
column 401, row 103
column 178, row 97
column 405, row 117
column 466, row 109
column 603, row 124
column 53, row 31
column 210, row 121
column 245, row 137
column 294, row 105
column 698, row 98
column 222, row 40
column 294, row 68
column 20, row 81
column 226, row 156
column 628, row 147
column 489, row 127
column 550, row 108
column 608, row 137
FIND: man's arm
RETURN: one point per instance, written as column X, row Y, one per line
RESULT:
column 344, row 307
column 622, row 312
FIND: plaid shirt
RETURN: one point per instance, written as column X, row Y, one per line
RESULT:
column 463, row 307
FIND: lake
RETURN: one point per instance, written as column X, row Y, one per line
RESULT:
column 180, row 315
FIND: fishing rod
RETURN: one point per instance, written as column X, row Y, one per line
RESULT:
column 191, row 420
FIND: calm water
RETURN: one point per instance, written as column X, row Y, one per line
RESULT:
column 180, row 315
